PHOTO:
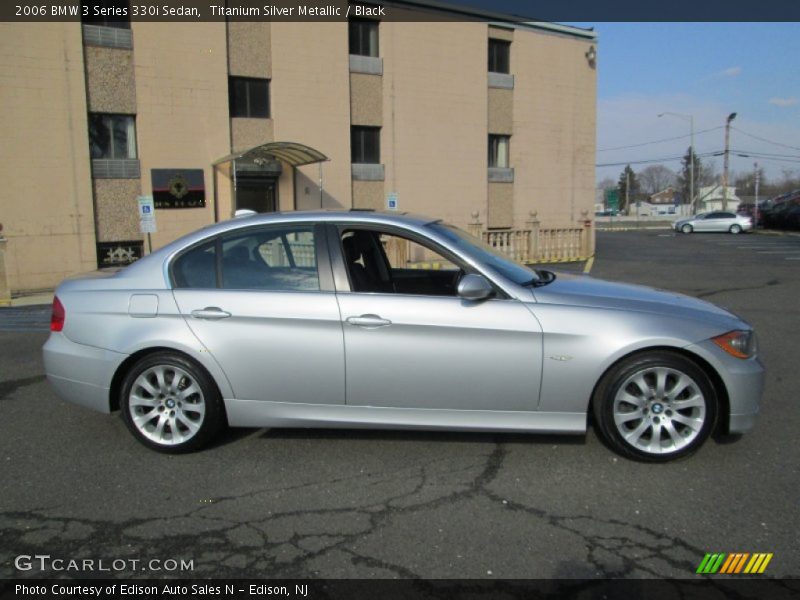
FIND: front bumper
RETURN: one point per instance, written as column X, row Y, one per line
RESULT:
column 743, row 380
column 80, row 374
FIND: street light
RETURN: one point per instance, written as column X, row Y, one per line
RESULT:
column 689, row 118
column 730, row 118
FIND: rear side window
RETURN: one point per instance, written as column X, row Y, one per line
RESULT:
column 273, row 259
column 197, row 268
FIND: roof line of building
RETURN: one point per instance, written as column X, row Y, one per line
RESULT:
column 501, row 19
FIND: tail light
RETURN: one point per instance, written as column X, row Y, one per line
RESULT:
column 58, row 315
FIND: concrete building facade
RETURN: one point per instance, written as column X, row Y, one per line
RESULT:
column 96, row 115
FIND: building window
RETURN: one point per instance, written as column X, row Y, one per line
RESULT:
column 107, row 13
column 364, row 37
column 249, row 97
column 112, row 136
column 498, row 151
column 499, row 56
column 365, row 144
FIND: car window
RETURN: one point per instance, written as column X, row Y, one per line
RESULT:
column 278, row 259
column 271, row 259
column 380, row 262
column 196, row 268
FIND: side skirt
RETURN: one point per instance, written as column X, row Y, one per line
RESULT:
column 258, row 413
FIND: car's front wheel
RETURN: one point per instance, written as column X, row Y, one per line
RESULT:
column 686, row 228
column 735, row 229
column 656, row 406
column 171, row 404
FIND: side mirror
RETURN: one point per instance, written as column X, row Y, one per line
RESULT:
column 475, row 287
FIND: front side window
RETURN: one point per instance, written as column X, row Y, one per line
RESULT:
column 248, row 97
column 365, row 145
column 499, row 56
column 112, row 136
column 364, row 37
column 381, row 262
column 498, row 150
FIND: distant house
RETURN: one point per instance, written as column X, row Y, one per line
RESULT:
column 710, row 198
column 668, row 196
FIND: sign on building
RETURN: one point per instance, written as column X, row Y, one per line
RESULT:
column 391, row 201
column 178, row 188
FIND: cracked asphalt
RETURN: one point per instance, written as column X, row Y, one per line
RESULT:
column 355, row 504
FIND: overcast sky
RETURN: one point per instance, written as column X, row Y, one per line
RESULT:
column 708, row 70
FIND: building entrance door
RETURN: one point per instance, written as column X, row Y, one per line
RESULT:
column 257, row 193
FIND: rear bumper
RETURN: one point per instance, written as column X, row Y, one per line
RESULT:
column 80, row 374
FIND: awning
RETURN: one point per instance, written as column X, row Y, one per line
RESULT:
column 291, row 153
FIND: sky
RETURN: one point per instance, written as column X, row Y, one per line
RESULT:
column 707, row 70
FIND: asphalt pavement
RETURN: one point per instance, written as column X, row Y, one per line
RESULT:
column 297, row 503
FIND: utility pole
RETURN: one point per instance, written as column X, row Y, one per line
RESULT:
column 755, row 208
column 730, row 118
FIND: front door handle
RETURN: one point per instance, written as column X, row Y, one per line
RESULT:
column 368, row 321
column 210, row 313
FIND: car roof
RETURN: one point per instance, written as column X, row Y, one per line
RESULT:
column 148, row 264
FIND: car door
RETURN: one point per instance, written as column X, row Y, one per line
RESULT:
column 410, row 342
column 262, row 302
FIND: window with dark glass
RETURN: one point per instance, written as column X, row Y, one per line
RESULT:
column 107, row 13
column 498, row 150
column 197, row 268
column 364, row 37
column 365, row 144
column 499, row 56
column 112, row 136
column 249, row 97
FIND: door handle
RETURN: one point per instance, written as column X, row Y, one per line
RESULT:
column 210, row 313
column 368, row 321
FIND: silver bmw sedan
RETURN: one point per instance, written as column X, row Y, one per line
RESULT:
column 373, row 320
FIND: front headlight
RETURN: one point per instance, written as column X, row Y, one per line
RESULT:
column 741, row 344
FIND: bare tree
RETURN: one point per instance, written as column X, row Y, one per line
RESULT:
column 606, row 184
column 656, row 178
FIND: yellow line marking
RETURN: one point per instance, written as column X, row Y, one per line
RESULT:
column 588, row 266
column 765, row 563
column 754, row 563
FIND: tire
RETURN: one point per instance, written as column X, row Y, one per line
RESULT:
column 171, row 404
column 735, row 229
column 640, row 423
column 687, row 229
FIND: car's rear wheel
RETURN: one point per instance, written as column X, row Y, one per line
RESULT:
column 171, row 404
column 735, row 229
column 686, row 228
column 655, row 407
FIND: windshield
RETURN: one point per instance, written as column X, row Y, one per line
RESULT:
column 483, row 253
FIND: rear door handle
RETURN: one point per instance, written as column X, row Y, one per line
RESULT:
column 210, row 313
column 368, row 321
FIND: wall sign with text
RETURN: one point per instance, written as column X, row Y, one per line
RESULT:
column 178, row 188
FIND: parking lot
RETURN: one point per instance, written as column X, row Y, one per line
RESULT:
column 296, row 503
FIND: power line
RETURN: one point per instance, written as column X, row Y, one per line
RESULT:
column 755, row 137
column 657, row 160
column 670, row 139
column 758, row 153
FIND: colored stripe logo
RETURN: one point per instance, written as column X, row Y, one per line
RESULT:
column 734, row 563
